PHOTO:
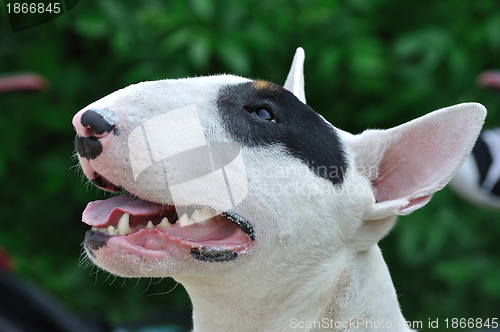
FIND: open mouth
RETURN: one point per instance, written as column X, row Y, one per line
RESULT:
column 207, row 234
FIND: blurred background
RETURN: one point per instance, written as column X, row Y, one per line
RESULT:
column 369, row 64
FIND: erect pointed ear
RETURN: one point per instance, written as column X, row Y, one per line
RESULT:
column 416, row 159
column 295, row 79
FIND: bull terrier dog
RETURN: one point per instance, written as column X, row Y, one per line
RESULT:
column 267, row 214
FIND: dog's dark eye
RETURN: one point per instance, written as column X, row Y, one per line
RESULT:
column 263, row 114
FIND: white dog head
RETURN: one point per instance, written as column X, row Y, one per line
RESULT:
column 235, row 178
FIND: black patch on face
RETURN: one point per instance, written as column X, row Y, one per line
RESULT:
column 96, row 122
column 88, row 147
column 95, row 240
column 298, row 128
column 205, row 254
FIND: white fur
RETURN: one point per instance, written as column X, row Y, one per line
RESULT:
column 315, row 257
column 295, row 79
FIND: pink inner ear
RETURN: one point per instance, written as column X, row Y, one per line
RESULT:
column 421, row 160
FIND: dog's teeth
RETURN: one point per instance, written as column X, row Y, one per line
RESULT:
column 150, row 225
column 202, row 214
column 112, row 230
column 164, row 223
column 185, row 221
column 123, row 225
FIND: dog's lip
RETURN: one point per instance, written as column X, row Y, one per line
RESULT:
column 156, row 245
column 103, row 183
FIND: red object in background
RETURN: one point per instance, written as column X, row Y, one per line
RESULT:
column 22, row 82
column 5, row 260
column 10, row 83
column 490, row 79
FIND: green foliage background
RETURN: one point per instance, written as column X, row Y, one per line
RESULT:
column 369, row 63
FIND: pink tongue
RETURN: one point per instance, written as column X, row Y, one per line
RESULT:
column 98, row 213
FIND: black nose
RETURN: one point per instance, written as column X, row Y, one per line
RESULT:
column 99, row 122
column 93, row 125
column 88, row 147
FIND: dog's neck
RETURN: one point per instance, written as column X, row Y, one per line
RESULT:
column 286, row 299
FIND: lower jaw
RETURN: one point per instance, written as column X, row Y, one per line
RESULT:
column 155, row 245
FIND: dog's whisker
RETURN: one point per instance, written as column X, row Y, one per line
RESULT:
column 164, row 293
